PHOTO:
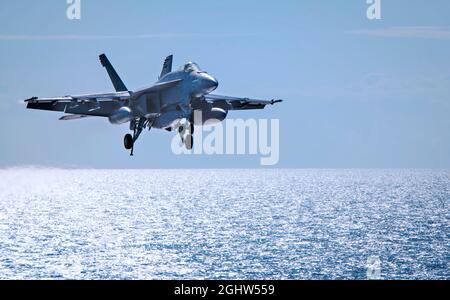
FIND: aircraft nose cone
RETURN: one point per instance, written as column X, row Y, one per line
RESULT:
column 214, row 83
column 210, row 83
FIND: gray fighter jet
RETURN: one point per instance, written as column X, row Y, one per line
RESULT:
column 168, row 104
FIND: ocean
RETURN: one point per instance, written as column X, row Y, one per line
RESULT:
column 224, row 224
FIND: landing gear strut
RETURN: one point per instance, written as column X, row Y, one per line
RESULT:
column 137, row 126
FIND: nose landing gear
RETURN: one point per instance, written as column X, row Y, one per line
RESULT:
column 189, row 141
column 187, row 135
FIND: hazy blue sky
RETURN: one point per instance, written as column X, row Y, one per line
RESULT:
column 358, row 93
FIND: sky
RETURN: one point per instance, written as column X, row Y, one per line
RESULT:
column 358, row 93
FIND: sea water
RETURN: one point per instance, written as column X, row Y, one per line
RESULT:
column 224, row 224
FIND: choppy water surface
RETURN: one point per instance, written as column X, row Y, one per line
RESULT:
column 229, row 224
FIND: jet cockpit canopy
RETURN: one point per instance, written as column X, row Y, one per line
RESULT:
column 191, row 67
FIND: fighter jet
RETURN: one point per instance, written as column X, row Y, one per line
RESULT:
column 168, row 104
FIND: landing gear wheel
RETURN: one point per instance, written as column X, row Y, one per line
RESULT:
column 192, row 128
column 128, row 141
column 189, row 141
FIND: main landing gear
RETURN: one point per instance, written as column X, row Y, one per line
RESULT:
column 137, row 126
column 128, row 141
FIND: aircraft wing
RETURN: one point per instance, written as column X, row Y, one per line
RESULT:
column 87, row 105
column 237, row 103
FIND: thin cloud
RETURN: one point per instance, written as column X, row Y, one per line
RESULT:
column 422, row 32
column 109, row 37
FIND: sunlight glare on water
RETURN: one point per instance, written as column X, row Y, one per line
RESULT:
column 224, row 224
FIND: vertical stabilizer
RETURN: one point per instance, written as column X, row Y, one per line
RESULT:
column 115, row 79
column 167, row 66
